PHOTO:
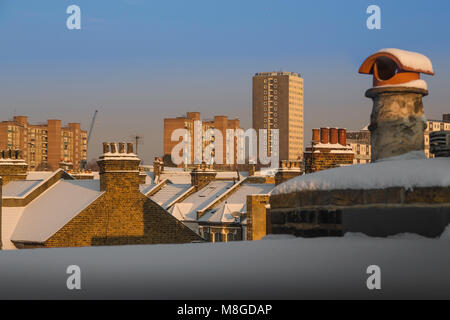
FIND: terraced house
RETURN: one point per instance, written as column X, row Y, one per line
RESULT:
column 52, row 209
column 122, row 205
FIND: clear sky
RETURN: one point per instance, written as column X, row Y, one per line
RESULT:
column 139, row 61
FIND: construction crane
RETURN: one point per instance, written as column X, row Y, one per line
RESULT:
column 84, row 162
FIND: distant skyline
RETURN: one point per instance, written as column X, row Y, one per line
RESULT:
column 139, row 62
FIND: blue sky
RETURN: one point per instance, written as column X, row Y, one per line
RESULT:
column 140, row 61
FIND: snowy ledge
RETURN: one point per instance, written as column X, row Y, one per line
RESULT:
column 418, row 84
column 410, row 170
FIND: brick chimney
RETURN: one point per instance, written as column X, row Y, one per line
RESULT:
column 324, row 135
column 12, row 166
column 119, row 169
column 158, row 168
column 316, row 135
column 287, row 171
column 202, row 175
column 343, row 137
column 334, row 135
column 251, row 169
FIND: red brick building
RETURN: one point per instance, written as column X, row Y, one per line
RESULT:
column 44, row 146
column 221, row 123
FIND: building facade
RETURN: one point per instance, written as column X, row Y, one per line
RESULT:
column 329, row 149
column 434, row 126
column 188, row 122
column 278, row 104
column 44, row 146
column 359, row 141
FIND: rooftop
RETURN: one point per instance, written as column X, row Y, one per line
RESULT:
column 280, row 73
column 53, row 209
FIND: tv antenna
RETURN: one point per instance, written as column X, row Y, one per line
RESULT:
column 138, row 140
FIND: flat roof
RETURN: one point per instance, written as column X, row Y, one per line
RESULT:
column 280, row 73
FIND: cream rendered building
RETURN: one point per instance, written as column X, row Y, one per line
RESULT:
column 432, row 126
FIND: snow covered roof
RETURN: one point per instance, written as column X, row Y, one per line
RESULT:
column 224, row 214
column 39, row 175
column 22, row 188
column 231, row 175
column 19, row 188
column 237, row 201
column 187, row 210
column 409, row 171
column 178, row 177
column 146, row 188
column 54, row 208
column 169, row 193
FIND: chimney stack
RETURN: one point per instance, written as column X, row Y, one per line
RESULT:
column 342, row 133
column 287, row 171
column 12, row 167
column 334, row 135
column 324, row 135
column 119, row 171
column 202, row 175
column 316, row 135
column 251, row 169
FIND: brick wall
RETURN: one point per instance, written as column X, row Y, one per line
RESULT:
column 330, row 213
column 321, row 161
column 256, row 216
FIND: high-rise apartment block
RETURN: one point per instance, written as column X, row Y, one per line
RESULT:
column 45, row 146
column 278, row 104
column 221, row 123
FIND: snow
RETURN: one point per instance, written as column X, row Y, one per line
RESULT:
column 201, row 200
column 329, row 146
column 285, row 268
column 53, row 209
column 223, row 214
column 349, row 151
column 420, row 84
column 446, row 234
column 169, row 193
column 409, row 171
column 19, row 188
column 40, row 175
column 9, row 219
column 279, row 237
column 266, row 172
column 412, row 60
column 237, row 201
